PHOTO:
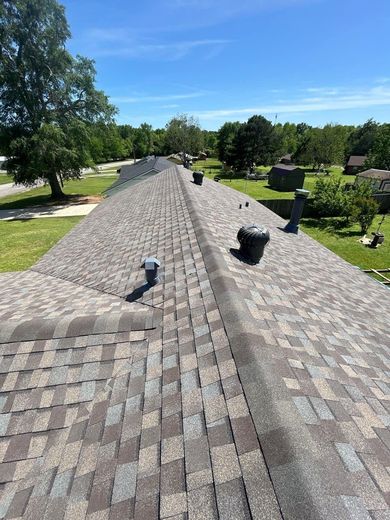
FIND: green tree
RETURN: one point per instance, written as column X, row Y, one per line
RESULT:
column 44, row 93
column 330, row 198
column 143, row 141
column 183, row 134
column 225, row 138
column 256, row 143
column 363, row 211
column 362, row 139
column 379, row 157
column 323, row 146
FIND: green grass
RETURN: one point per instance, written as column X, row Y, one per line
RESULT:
column 5, row 179
column 23, row 242
column 41, row 196
column 259, row 189
column 344, row 242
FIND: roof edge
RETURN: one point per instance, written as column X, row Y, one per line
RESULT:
column 300, row 492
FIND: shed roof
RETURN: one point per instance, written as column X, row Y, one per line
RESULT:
column 356, row 160
column 226, row 391
column 373, row 173
column 285, row 168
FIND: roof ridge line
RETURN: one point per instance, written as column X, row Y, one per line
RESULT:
column 260, row 379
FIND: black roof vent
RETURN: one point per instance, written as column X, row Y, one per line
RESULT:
column 253, row 239
column 198, row 178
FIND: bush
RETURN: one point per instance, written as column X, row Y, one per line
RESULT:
column 363, row 211
column 330, row 198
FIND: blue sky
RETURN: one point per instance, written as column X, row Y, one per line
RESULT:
column 316, row 61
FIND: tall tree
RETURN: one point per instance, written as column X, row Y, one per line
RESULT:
column 255, row 143
column 183, row 134
column 47, row 97
column 362, row 139
column 143, row 140
column 226, row 136
column 379, row 157
column 323, row 146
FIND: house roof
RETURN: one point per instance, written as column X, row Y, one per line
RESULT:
column 285, row 168
column 226, row 391
column 131, row 174
column 356, row 160
column 373, row 173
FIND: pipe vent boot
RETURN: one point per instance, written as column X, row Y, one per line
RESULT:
column 253, row 239
column 151, row 266
column 198, row 178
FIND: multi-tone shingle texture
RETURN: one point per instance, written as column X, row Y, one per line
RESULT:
column 227, row 391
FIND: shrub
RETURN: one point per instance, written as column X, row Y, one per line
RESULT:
column 330, row 198
column 363, row 211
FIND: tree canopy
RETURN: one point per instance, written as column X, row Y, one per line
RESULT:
column 183, row 134
column 47, row 96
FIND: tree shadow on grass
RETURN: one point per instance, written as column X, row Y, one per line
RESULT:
column 40, row 200
column 337, row 226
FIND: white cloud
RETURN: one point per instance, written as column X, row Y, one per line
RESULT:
column 156, row 99
column 365, row 98
column 125, row 43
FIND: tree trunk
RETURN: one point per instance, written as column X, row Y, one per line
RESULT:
column 56, row 191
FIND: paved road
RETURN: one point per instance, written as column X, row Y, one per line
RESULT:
column 109, row 165
column 12, row 189
column 73, row 210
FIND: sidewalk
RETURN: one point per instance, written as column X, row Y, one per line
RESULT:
column 75, row 210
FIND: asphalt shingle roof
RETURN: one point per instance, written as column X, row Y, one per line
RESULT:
column 374, row 173
column 356, row 160
column 227, row 391
column 131, row 174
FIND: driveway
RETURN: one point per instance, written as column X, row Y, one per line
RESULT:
column 13, row 189
column 74, row 210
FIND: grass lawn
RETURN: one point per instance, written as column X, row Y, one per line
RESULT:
column 5, row 179
column 41, row 196
column 23, row 242
column 259, row 189
column 344, row 242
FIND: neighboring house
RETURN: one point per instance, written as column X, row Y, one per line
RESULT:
column 380, row 179
column 131, row 174
column 286, row 177
column 286, row 159
column 355, row 164
column 227, row 391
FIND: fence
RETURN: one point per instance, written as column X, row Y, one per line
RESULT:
column 283, row 207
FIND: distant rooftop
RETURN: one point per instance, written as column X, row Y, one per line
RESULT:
column 356, row 160
column 373, row 173
column 228, row 390
column 131, row 174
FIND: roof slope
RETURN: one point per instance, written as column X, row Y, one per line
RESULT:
column 252, row 391
column 285, row 168
column 373, row 173
column 356, row 160
column 131, row 174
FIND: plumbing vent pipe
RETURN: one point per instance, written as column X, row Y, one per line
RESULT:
column 253, row 239
column 297, row 210
column 198, row 178
column 151, row 266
